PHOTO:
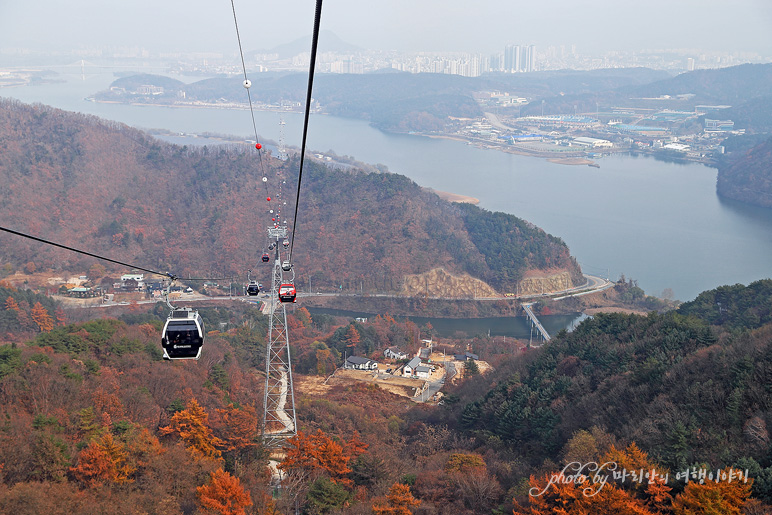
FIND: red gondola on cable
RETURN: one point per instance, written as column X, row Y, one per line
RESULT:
column 287, row 292
column 266, row 258
column 258, row 146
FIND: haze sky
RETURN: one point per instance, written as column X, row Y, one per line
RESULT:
column 483, row 26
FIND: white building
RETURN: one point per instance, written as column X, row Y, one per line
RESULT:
column 410, row 368
column 135, row 281
column 423, row 371
column 360, row 363
column 678, row 147
column 593, row 142
column 394, row 353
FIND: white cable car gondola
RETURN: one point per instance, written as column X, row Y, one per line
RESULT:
column 253, row 288
column 183, row 334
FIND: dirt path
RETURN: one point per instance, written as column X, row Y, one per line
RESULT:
column 455, row 197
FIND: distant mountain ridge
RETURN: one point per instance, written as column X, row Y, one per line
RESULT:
column 116, row 191
column 745, row 88
column 394, row 101
column 723, row 85
column 404, row 102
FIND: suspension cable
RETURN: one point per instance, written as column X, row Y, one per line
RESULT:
column 311, row 68
column 247, row 85
column 47, row 242
column 244, row 69
column 103, row 258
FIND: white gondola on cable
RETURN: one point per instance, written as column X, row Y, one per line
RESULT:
column 183, row 333
column 285, row 243
column 253, row 288
column 286, row 266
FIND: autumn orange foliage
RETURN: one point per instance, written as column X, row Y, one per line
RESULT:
column 319, row 452
column 237, row 427
column 104, row 460
column 568, row 497
column 192, row 426
column 723, row 497
column 579, row 494
column 11, row 304
column 224, row 495
column 93, row 467
column 398, row 502
column 41, row 317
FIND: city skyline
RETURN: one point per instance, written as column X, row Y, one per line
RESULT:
column 428, row 26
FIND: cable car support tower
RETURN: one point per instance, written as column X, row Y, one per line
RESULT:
column 279, row 420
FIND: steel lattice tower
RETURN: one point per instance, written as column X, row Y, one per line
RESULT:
column 279, row 421
column 282, row 149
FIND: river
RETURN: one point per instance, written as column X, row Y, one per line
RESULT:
column 657, row 222
column 513, row 327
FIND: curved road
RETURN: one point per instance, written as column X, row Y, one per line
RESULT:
column 591, row 285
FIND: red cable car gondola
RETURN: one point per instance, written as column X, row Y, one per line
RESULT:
column 287, row 293
column 266, row 258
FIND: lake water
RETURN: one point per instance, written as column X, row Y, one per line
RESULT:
column 513, row 327
column 660, row 223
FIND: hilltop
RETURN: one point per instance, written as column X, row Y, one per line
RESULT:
column 116, row 191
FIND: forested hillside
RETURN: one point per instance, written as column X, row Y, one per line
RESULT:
column 731, row 85
column 747, row 175
column 689, row 388
column 109, row 189
column 94, row 421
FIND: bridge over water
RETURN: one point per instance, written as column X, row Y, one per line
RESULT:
column 535, row 321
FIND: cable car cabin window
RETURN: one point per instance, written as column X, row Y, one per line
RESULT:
column 183, row 339
column 287, row 293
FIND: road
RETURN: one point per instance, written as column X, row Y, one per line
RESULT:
column 435, row 386
column 495, row 122
column 432, row 388
column 592, row 284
